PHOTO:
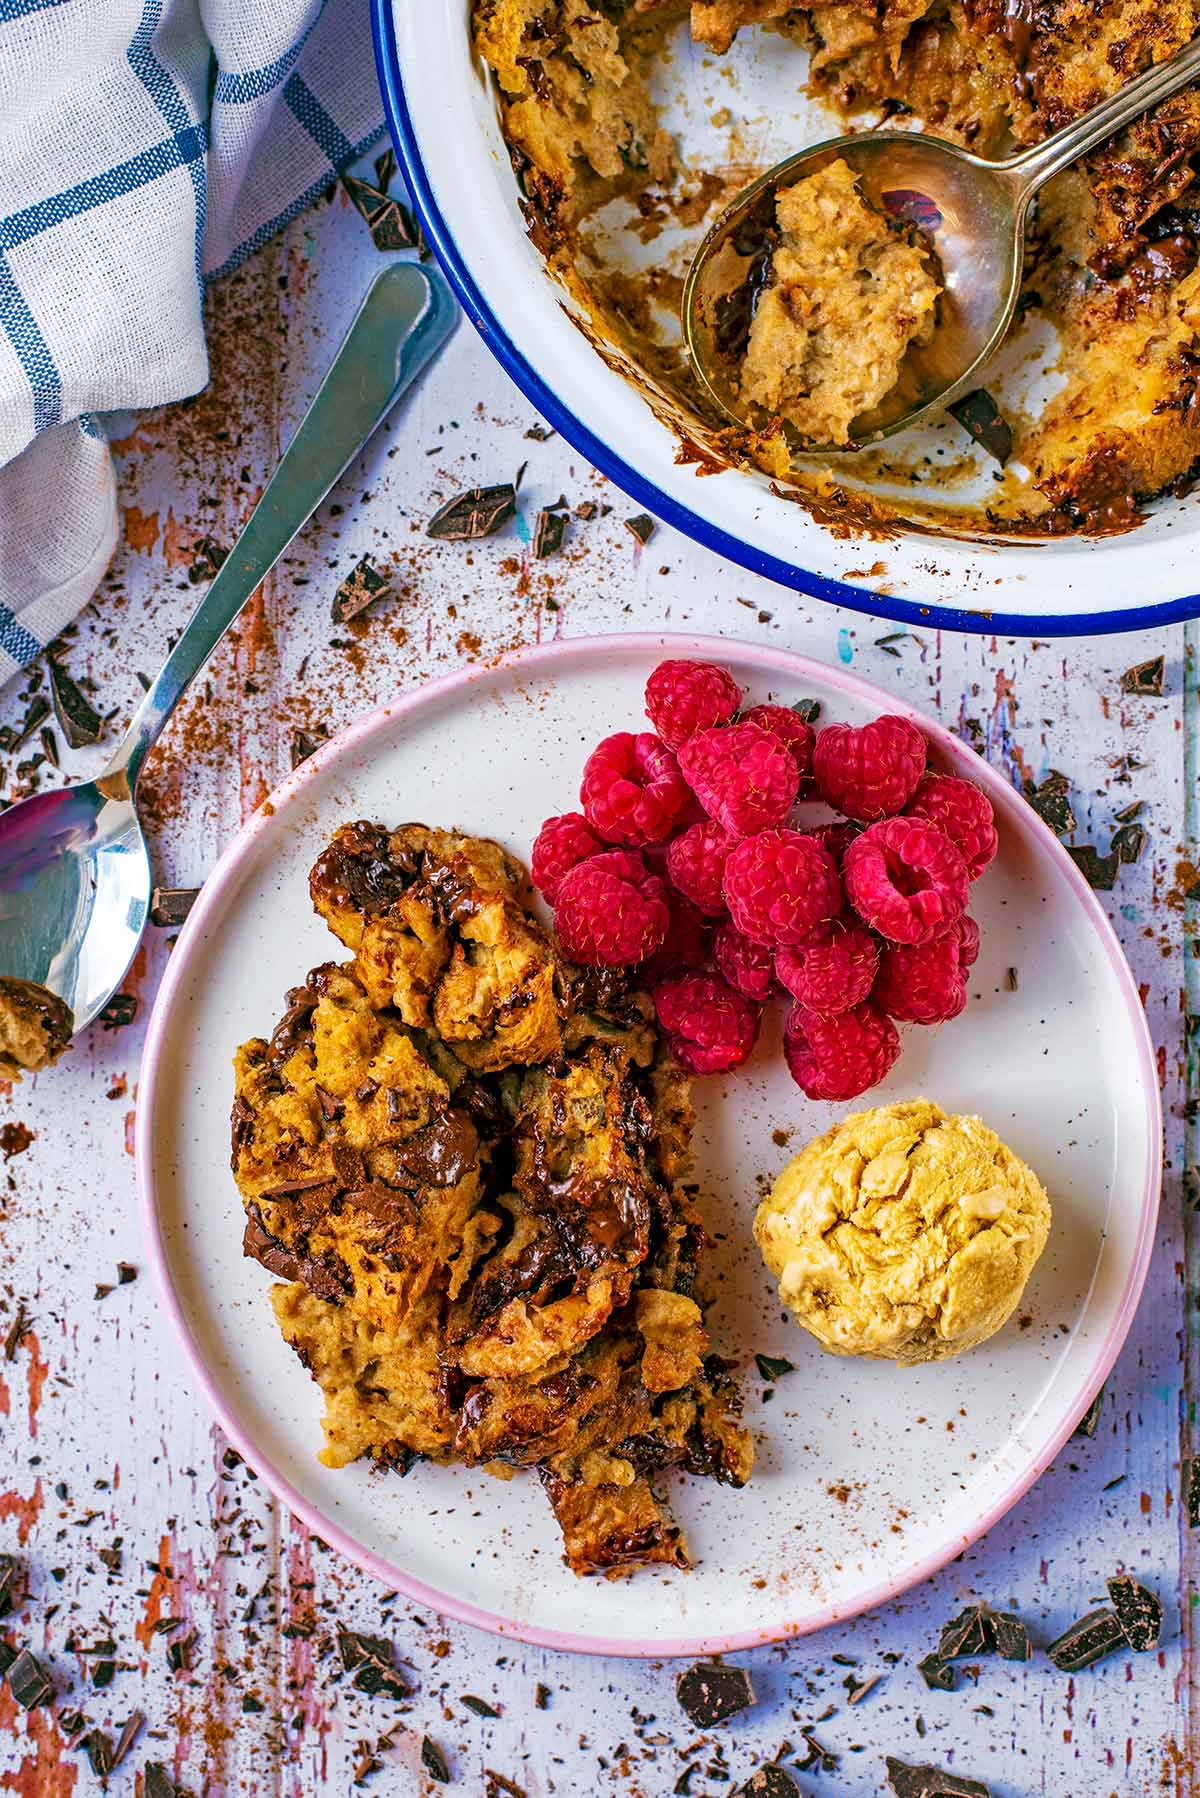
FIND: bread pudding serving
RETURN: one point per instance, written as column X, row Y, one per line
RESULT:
column 463, row 1158
column 1110, row 311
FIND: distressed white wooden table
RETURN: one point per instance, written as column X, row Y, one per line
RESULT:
column 116, row 1491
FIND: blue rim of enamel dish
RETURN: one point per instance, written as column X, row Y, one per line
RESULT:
column 734, row 549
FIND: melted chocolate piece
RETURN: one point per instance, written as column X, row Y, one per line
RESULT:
column 441, row 1154
column 388, row 1204
column 326, row 1276
column 360, row 868
column 755, row 236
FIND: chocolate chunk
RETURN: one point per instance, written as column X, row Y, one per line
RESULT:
column 120, row 1010
column 1139, row 1612
column 1051, row 801
column 938, row 1675
column 476, row 513
column 823, row 1759
column 1146, row 679
column 171, row 905
column 1010, row 1636
column 1190, row 1473
column 1091, row 1417
column 304, row 744
column 331, row 1108
column 130, row 1730
column 286, row 1189
column 539, row 433
column 641, row 527
column 157, row 1782
column 548, row 533
column 981, row 418
column 710, row 1692
column 480, row 1706
column 10, row 1580
column 1128, row 843
column 126, row 1273
column 442, row 1153
column 99, row 1750
column 28, row 1681
column 385, row 168
column 386, row 1204
column 910, row 1781
column 77, row 718
column 1100, row 871
column 770, row 1781
column 434, row 1762
column 10, row 738
column 772, row 1367
column 970, row 1633
column 389, row 223
column 362, row 587
column 1087, row 1641
column 808, row 710
column 349, row 1168
column 369, row 1659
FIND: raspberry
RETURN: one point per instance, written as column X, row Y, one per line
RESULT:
column 963, row 812
column 745, row 965
column 968, row 940
column 839, row 1057
column 695, row 863
column 684, row 697
column 685, row 944
column 834, row 971
column 611, row 911
column 742, row 775
column 561, row 843
column 632, row 789
column 708, row 1026
column 906, row 880
column 837, row 838
column 922, row 984
column 797, row 736
column 779, row 885
column 869, row 772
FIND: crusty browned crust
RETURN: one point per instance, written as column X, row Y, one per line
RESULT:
column 462, row 1157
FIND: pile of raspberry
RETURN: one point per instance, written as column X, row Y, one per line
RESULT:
column 686, row 863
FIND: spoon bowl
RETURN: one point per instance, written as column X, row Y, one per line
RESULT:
column 75, row 885
column 971, row 211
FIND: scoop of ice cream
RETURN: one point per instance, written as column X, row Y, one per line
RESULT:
column 903, row 1233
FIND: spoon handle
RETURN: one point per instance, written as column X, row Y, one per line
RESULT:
column 405, row 319
column 1035, row 166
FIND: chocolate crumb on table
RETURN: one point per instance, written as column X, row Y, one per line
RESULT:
column 711, row 1691
column 1139, row 1612
column 477, row 513
column 925, row 1781
column 1088, row 1640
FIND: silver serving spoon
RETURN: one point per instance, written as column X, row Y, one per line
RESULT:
column 972, row 210
column 75, row 879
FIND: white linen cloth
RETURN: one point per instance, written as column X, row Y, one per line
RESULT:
column 145, row 145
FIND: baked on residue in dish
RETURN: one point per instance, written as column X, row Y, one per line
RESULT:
column 463, row 1159
column 1113, row 250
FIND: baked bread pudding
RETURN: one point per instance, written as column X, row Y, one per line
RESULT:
column 463, row 1160
column 1112, row 257
column 847, row 292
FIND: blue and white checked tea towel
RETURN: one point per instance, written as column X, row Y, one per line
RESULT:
column 144, row 146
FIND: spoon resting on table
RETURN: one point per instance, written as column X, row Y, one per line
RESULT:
column 75, row 877
column 971, row 210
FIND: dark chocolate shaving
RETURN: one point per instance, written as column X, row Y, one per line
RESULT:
column 641, row 527
column 1051, row 801
column 157, row 1782
column 77, row 718
column 1190, row 1473
column 548, row 533
column 305, row 743
column 476, row 513
column 773, row 1367
column 362, row 587
column 130, row 1730
column 434, row 1762
column 938, row 1675
column 1100, row 871
column 710, row 1692
column 1010, row 1636
column 369, row 1659
column 480, row 1706
column 1128, row 843
column 171, row 905
column 10, row 1579
column 1091, row 1417
column 28, row 1681
column 808, row 710
column 1146, row 680
column 120, row 1010
column 99, row 1750
column 390, row 224
column 1139, row 1612
column 910, row 1781
column 981, row 418
column 770, row 1781
column 968, row 1634
column 1087, row 1641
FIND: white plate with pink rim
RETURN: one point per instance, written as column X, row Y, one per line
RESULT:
column 1062, row 1067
